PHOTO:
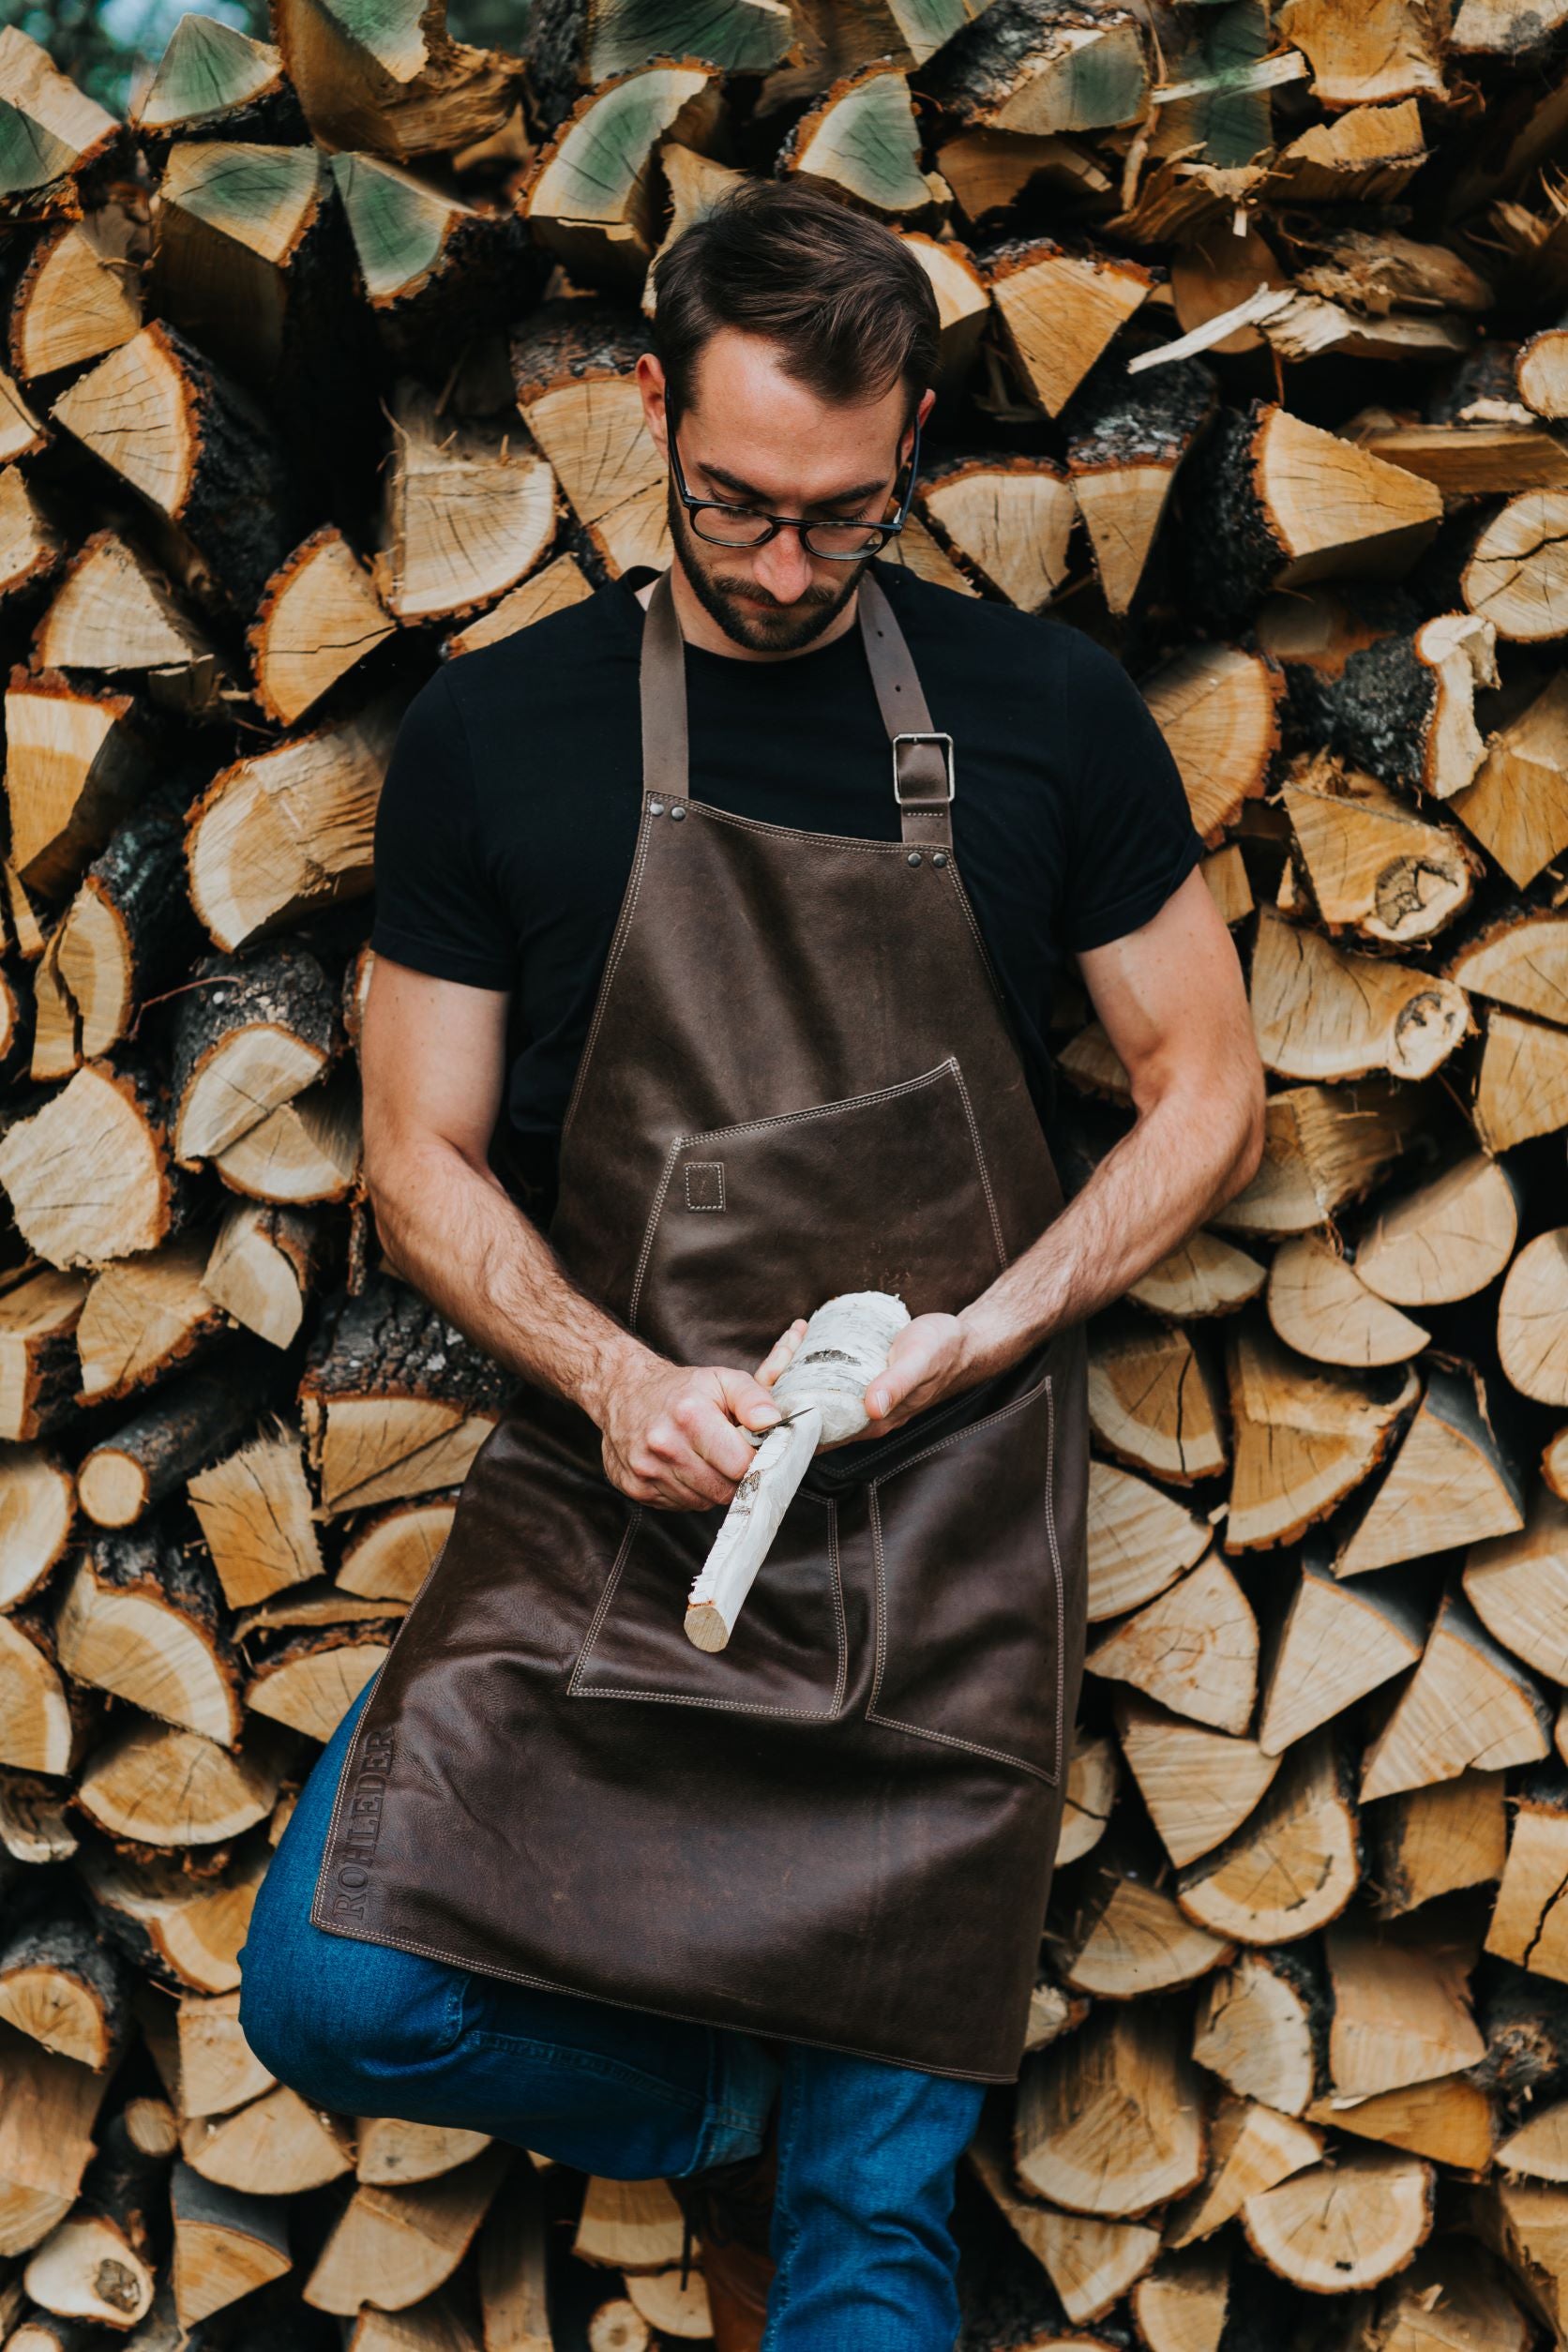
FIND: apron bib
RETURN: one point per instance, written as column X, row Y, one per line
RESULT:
column 840, row 1830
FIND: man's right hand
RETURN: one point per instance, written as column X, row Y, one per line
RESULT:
column 672, row 1435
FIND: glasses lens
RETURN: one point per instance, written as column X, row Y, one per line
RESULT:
column 728, row 527
column 843, row 538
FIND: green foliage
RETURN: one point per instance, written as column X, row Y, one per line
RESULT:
column 108, row 47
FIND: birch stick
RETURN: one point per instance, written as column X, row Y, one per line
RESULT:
column 822, row 1395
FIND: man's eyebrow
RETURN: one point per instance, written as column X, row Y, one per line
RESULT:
column 749, row 490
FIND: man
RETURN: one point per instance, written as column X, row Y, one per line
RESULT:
column 717, row 922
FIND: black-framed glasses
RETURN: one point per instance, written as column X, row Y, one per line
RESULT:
column 723, row 524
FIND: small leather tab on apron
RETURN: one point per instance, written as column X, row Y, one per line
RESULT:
column 799, row 1080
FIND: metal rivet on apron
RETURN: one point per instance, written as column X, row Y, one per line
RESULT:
column 676, row 815
column 655, row 808
column 915, row 857
column 939, row 857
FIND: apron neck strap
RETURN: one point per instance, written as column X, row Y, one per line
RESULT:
column 922, row 759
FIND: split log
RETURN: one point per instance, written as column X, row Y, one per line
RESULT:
column 1447, row 1240
column 1529, row 1923
column 76, row 763
column 142, row 1317
column 394, row 82
column 572, row 366
column 1521, row 1089
column 1182, row 2303
column 43, row 1723
column 863, row 140
column 1139, row 1540
column 1517, row 1585
column 89, row 1176
column 395, row 1401
column 628, row 2225
column 1204, row 1276
column 1518, row 569
column 1109, row 2121
column 1260, row 2027
column 1320, row 1012
column 1251, row 2150
column 1401, row 2009
column 1371, row 865
column 1090, row 2262
column 39, row 1310
column 429, row 263
column 1448, row 1484
column 159, row 416
column 1318, row 1305
column 1533, row 1338
column 1392, row 51
column 1404, row 706
column 1031, row 68
column 1437, row 1840
column 274, row 2145
column 552, row 589
column 115, row 612
column 249, row 1035
column 1286, row 504
column 1217, row 707
column 55, row 142
column 1092, row 1778
column 175, row 1788
column 389, row 2151
column 1518, row 806
column 307, row 1150
column 37, row 1503
column 575, row 45
column 226, row 2244
column 125, row 935
column 319, row 616
column 1148, row 1402
column 1009, row 520
column 186, row 1931
column 589, row 197
column 1305, row 1437
column 211, row 79
column 310, row 1681
column 963, row 307
column 1126, row 1937
column 467, row 513
column 254, row 1506
column 1125, row 441
column 1294, row 1866
column 1518, row 959
column 141, row 1618
column 60, row 1984
column 77, row 296
column 1540, row 372
column 290, row 831
column 185, row 1426
column 1194, row 1649
column 1338, row 1642
column 1451, row 2120
column 1198, row 1784
column 1346, row 2226
column 1324, row 1148
column 265, row 1263
column 32, row 549
column 1059, row 310
column 1468, row 1704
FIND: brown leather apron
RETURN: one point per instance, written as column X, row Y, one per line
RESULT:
column 840, row 1830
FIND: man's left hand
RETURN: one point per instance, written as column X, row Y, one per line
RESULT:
column 932, row 1357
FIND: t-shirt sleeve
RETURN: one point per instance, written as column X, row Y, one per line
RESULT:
column 1132, row 834
column 437, row 908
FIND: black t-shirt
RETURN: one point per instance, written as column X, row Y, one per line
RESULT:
column 508, row 818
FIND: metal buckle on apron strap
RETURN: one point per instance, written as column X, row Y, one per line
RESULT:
column 923, row 800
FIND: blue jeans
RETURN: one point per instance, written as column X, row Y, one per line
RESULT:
column 865, row 2257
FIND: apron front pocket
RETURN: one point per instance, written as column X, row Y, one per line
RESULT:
column 754, row 1224
column 788, row 1654
column 971, row 1633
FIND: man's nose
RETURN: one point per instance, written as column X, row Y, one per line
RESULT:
column 783, row 567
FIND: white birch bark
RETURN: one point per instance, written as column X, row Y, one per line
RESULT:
column 822, row 1396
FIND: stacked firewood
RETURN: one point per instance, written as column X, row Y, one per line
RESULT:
column 317, row 373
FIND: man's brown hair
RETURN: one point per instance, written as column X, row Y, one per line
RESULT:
column 849, row 306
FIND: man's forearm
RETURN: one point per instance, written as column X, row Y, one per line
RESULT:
column 459, row 1238
column 1184, row 1158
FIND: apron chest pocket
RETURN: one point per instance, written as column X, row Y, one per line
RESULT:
column 788, row 1654
column 971, row 1635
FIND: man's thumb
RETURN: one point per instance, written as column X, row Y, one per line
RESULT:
column 749, row 1402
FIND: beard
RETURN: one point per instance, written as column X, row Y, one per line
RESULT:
column 745, row 612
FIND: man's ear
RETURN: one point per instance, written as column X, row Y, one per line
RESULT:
column 650, row 382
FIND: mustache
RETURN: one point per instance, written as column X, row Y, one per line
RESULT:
column 747, row 591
